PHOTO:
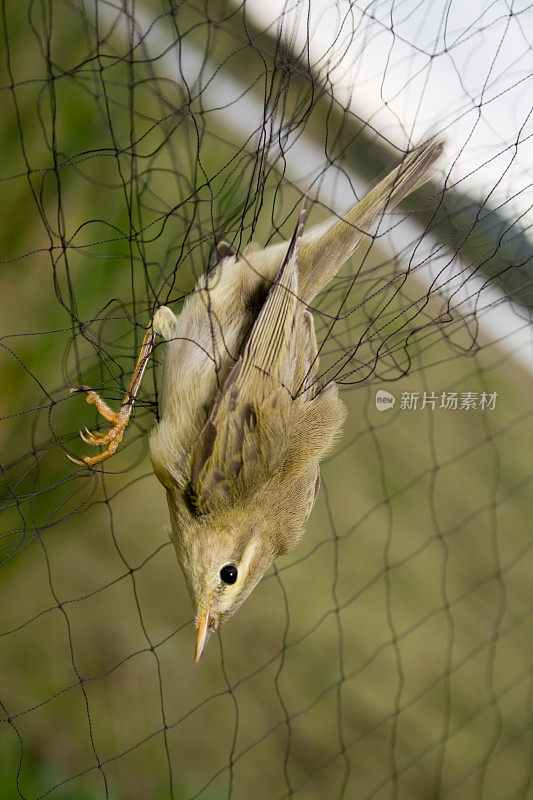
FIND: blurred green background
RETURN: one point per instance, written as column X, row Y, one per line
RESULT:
column 390, row 655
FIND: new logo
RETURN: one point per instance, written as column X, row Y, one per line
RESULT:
column 384, row 400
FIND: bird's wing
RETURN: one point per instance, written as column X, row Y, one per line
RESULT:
column 244, row 440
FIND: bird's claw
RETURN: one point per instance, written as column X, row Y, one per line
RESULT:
column 112, row 438
column 118, row 420
column 94, row 437
column 81, row 388
column 76, row 461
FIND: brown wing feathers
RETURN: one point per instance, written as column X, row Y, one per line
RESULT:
column 267, row 347
column 244, row 438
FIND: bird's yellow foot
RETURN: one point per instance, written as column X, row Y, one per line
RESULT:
column 113, row 437
column 118, row 419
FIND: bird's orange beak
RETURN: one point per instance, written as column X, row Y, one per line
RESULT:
column 202, row 637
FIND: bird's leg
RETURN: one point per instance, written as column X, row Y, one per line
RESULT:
column 118, row 419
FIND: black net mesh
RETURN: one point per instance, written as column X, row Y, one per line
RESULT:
column 389, row 656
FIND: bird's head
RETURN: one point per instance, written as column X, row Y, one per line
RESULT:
column 224, row 554
column 222, row 561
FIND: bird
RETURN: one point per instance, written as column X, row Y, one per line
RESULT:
column 244, row 419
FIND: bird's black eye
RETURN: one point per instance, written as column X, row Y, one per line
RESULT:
column 229, row 573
